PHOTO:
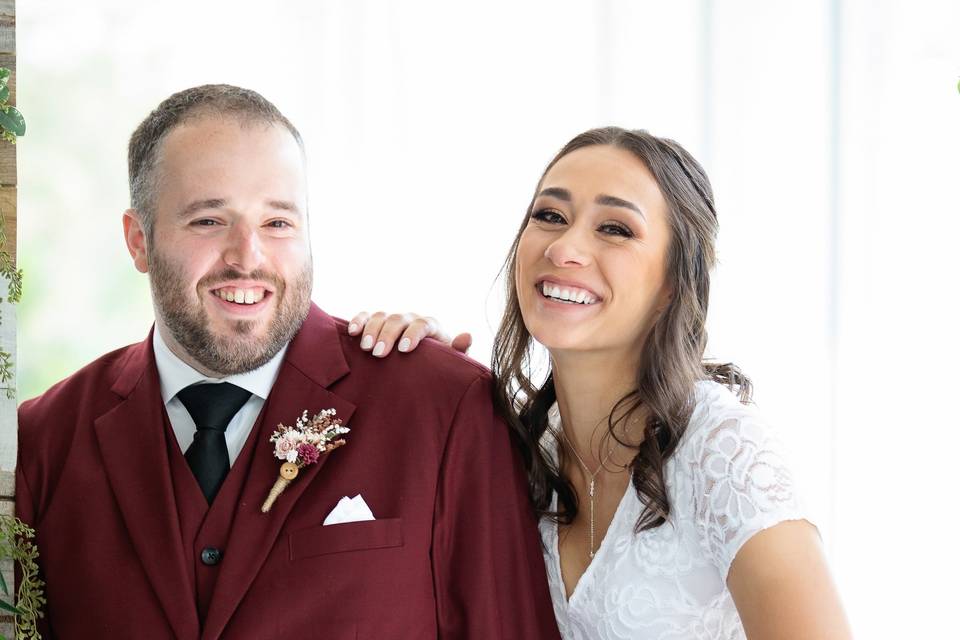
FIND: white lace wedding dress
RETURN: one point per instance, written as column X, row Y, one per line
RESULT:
column 727, row 481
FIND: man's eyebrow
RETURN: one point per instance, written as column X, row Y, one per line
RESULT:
column 613, row 201
column 220, row 203
column 558, row 193
column 283, row 205
column 200, row 205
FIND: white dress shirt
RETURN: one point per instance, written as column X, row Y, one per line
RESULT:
column 175, row 375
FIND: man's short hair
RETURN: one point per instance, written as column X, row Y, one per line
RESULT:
column 221, row 100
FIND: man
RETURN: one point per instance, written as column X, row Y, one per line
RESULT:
column 144, row 473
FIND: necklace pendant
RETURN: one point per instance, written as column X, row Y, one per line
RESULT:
column 593, row 484
column 591, row 554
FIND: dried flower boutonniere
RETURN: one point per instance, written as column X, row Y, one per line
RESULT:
column 301, row 446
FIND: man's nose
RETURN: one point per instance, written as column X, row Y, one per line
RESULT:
column 244, row 250
column 571, row 249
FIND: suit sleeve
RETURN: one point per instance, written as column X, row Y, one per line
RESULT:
column 488, row 569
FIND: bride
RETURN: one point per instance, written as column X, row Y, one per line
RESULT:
column 666, row 507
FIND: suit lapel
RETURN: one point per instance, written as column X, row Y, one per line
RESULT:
column 134, row 450
column 314, row 361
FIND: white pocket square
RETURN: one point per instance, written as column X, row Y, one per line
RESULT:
column 349, row 510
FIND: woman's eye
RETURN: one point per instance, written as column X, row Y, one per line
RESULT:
column 616, row 229
column 549, row 216
column 279, row 224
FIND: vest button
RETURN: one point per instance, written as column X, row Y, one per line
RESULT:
column 211, row 556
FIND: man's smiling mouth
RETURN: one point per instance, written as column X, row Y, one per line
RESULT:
column 237, row 295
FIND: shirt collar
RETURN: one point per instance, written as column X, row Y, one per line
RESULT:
column 175, row 374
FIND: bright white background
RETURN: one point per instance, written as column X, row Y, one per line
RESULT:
column 830, row 129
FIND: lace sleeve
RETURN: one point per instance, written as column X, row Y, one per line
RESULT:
column 742, row 484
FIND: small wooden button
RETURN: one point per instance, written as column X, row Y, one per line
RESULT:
column 289, row 471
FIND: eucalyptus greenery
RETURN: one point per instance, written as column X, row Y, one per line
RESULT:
column 16, row 538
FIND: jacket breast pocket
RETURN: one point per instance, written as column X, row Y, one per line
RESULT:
column 349, row 536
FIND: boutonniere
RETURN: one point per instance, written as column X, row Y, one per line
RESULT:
column 301, row 445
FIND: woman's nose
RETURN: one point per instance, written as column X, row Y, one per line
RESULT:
column 569, row 250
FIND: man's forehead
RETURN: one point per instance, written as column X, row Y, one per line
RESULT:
column 213, row 144
column 210, row 127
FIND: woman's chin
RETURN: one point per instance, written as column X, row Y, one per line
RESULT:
column 559, row 340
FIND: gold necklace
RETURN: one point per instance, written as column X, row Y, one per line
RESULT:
column 592, row 491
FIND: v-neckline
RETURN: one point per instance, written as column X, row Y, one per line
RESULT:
column 589, row 571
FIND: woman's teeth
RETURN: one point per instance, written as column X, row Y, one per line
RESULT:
column 240, row 296
column 571, row 295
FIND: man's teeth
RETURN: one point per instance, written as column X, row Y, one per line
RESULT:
column 240, row 296
column 568, row 294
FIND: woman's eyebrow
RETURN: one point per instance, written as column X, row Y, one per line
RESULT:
column 613, row 201
column 558, row 193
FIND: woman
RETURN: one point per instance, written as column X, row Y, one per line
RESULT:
column 666, row 508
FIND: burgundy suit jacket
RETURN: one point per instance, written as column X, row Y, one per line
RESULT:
column 453, row 553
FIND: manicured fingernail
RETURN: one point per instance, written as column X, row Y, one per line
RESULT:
column 367, row 342
column 404, row 345
column 352, row 328
column 379, row 349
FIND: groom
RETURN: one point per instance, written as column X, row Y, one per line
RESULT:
column 144, row 472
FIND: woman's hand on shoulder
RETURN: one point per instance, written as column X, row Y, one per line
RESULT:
column 782, row 587
column 381, row 331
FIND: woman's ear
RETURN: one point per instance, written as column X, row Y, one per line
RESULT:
column 664, row 299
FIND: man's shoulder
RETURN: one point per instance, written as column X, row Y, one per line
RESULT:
column 432, row 365
column 65, row 398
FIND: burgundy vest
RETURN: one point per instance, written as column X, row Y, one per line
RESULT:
column 205, row 529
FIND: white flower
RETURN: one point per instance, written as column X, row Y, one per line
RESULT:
column 285, row 445
column 292, row 456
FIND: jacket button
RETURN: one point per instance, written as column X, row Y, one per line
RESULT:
column 211, row 556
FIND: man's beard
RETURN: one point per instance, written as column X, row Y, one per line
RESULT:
column 189, row 322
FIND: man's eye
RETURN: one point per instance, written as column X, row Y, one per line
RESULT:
column 614, row 229
column 279, row 224
column 549, row 216
column 204, row 222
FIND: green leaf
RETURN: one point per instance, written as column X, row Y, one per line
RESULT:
column 4, row 92
column 6, row 606
column 3, row 585
column 4, row 74
column 12, row 121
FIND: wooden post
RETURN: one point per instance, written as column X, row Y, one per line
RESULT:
column 8, row 329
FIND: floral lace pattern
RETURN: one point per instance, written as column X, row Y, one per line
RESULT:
column 727, row 481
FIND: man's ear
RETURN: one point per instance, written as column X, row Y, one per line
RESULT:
column 136, row 239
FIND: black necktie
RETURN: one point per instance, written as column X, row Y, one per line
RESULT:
column 211, row 406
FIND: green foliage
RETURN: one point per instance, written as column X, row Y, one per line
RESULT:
column 16, row 537
column 14, row 276
column 11, row 120
column 11, row 126
column 16, row 541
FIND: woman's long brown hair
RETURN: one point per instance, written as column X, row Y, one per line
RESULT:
column 671, row 358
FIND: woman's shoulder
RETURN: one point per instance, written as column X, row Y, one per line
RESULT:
column 725, row 435
column 717, row 408
column 739, row 474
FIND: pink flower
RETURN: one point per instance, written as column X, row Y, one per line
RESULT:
column 308, row 453
column 285, row 445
